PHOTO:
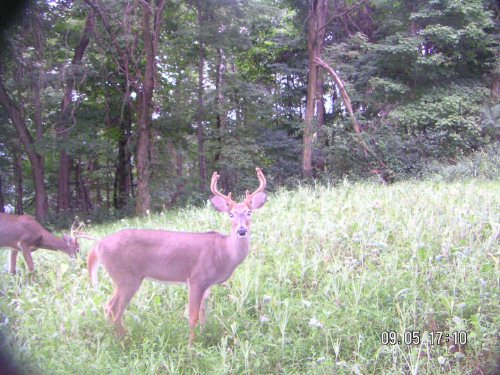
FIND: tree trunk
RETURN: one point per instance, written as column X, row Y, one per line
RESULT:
column 63, row 127
column 219, row 101
column 315, row 37
column 122, row 186
column 2, row 201
column 150, row 35
column 495, row 87
column 18, row 178
column 82, row 196
column 36, row 84
column 319, row 162
column 63, row 177
column 95, row 183
column 143, row 202
column 200, row 110
column 37, row 166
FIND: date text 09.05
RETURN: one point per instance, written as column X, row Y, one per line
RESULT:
column 415, row 337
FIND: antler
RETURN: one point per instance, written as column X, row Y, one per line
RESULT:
column 213, row 187
column 76, row 232
column 262, row 186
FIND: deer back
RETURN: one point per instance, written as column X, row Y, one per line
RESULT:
column 16, row 229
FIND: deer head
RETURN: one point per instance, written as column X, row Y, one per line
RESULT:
column 239, row 213
column 71, row 240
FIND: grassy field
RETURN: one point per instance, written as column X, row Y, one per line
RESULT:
column 332, row 271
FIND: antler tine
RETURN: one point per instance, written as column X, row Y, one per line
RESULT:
column 78, row 233
column 262, row 184
column 213, row 187
column 76, row 230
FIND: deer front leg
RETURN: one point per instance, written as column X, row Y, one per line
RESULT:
column 203, row 308
column 13, row 261
column 27, row 257
column 195, row 297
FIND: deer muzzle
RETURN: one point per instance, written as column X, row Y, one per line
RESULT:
column 242, row 232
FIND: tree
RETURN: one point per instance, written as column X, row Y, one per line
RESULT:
column 140, row 75
column 66, row 116
column 315, row 38
column 35, row 158
column 2, row 201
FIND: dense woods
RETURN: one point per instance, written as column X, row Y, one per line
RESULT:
column 126, row 107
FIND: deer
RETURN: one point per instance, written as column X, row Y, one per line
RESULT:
column 23, row 233
column 198, row 260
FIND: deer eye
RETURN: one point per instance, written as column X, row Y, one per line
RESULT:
column 231, row 214
column 249, row 213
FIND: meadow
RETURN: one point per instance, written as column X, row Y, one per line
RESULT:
column 335, row 274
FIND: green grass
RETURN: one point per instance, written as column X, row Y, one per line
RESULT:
column 330, row 269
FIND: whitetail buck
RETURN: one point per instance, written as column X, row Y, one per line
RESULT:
column 198, row 259
column 23, row 233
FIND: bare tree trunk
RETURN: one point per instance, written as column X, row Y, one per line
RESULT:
column 495, row 87
column 319, row 163
column 66, row 114
column 82, row 196
column 36, row 83
column 95, row 184
column 18, row 177
column 2, row 202
column 108, row 187
column 200, row 110
column 63, row 177
column 37, row 166
column 219, row 100
column 122, row 187
column 315, row 37
column 151, row 11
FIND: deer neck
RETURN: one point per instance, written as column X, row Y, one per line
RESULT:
column 238, row 247
column 51, row 242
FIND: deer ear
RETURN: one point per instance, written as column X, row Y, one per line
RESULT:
column 219, row 204
column 258, row 200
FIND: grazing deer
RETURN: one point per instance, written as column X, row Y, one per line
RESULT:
column 24, row 233
column 199, row 260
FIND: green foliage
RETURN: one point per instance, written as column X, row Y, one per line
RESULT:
column 330, row 269
column 421, row 78
column 446, row 118
column 419, row 75
column 484, row 164
column 388, row 89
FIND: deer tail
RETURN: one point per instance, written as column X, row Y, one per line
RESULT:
column 93, row 265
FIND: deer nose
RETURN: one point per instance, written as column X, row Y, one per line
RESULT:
column 242, row 232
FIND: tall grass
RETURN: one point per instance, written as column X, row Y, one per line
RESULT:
column 330, row 269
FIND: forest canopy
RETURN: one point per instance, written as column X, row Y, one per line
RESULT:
column 127, row 107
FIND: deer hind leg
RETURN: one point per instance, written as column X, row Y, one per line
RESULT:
column 109, row 306
column 203, row 308
column 195, row 298
column 13, row 261
column 118, row 303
